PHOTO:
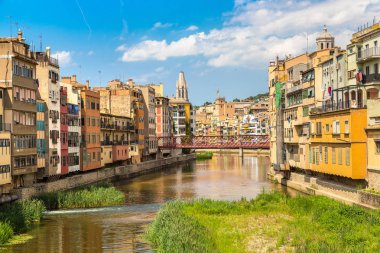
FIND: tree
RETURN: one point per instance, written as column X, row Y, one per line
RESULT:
column 236, row 100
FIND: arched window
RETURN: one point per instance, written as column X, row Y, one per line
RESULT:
column 360, row 98
column 321, row 46
column 327, row 46
column 372, row 93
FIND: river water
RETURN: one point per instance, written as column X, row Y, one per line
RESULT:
column 119, row 229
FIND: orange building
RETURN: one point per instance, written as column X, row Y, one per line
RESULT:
column 90, row 123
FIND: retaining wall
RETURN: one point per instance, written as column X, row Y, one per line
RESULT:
column 127, row 171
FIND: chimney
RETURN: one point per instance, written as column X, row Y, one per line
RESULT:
column 19, row 35
column 48, row 51
column 73, row 78
column 87, row 84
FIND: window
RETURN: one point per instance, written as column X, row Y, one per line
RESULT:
column 327, row 128
column 346, row 127
column 312, row 128
column 333, row 156
column 320, row 154
column 347, row 156
column 377, row 143
column 336, row 127
column 326, row 155
column 340, row 156
column 319, row 128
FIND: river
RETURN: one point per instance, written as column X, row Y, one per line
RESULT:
column 119, row 229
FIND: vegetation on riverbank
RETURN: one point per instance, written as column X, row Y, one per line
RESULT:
column 18, row 217
column 272, row 222
column 99, row 195
column 204, row 155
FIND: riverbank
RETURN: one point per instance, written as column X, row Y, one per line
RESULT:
column 270, row 223
column 19, row 217
column 111, row 173
column 316, row 186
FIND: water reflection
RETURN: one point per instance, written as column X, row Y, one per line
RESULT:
column 119, row 229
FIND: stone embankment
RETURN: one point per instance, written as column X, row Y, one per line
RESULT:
column 117, row 172
column 316, row 186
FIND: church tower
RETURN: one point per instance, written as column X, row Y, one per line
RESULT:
column 181, row 87
column 325, row 40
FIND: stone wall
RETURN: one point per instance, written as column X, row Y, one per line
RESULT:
column 127, row 171
column 369, row 198
column 373, row 179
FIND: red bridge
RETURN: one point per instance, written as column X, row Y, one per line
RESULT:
column 215, row 142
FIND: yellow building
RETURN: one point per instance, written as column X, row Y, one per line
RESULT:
column 276, row 78
column 338, row 142
column 364, row 78
column 5, row 149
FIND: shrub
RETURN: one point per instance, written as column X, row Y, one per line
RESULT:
column 174, row 231
column 87, row 197
column 6, row 232
column 204, row 155
column 21, row 215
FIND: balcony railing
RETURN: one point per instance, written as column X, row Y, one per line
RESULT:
column 107, row 125
column 120, row 142
column 331, row 107
column 106, row 143
column 5, row 127
column 294, row 88
column 372, row 78
column 368, row 53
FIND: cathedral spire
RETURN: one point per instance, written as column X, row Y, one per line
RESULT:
column 181, row 87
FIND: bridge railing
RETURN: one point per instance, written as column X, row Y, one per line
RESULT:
column 220, row 141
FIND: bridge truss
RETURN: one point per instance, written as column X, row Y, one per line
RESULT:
column 215, row 142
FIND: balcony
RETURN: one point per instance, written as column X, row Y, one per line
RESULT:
column 120, row 143
column 372, row 78
column 332, row 107
column 5, row 127
column 107, row 126
column 44, row 57
column 106, row 143
column 368, row 54
column 294, row 89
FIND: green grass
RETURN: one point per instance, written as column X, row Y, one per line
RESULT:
column 371, row 190
column 204, row 156
column 19, row 217
column 100, row 195
column 272, row 222
column 6, row 232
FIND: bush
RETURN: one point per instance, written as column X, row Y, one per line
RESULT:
column 174, row 231
column 6, row 232
column 21, row 215
column 204, row 155
column 87, row 197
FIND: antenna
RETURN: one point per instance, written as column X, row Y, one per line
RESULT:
column 16, row 23
column 100, row 77
column 40, row 36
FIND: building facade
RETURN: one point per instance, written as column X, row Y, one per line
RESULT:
column 18, row 83
column 47, row 73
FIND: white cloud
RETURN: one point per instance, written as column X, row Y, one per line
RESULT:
column 90, row 53
column 256, row 32
column 159, row 25
column 192, row 28
column 64, row 58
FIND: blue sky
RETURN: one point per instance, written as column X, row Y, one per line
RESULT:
column 220, row 44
